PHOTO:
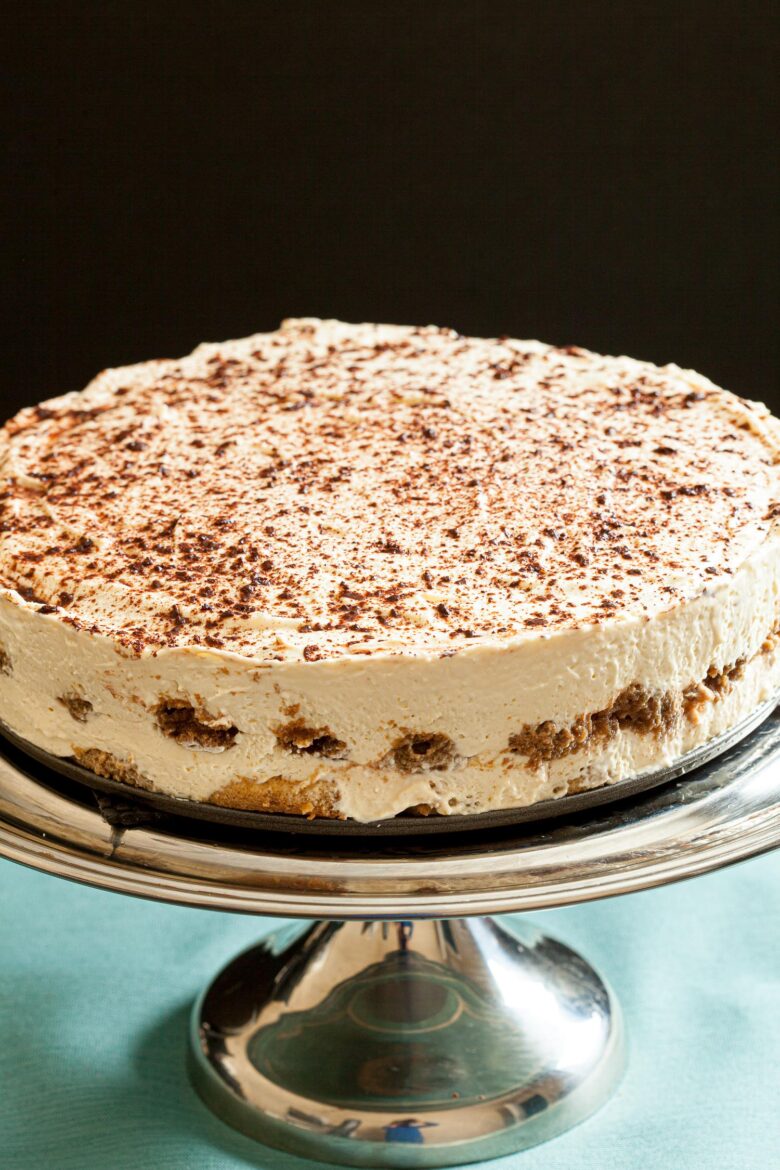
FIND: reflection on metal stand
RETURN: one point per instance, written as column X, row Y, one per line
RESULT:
column 376, row 1043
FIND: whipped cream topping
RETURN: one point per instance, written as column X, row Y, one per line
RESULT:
column 330, row 490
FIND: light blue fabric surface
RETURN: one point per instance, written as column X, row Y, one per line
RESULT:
column 95, row 991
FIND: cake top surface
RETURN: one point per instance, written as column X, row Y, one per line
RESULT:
column 331, row 490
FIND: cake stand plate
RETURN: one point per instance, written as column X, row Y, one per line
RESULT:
column 407, row 1028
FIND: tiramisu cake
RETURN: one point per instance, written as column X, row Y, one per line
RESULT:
column 356, row 570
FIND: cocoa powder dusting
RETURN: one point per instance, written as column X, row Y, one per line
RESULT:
column 327, row 490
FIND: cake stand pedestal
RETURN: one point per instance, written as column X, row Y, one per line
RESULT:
column 406, row 1028
column 406, row 1043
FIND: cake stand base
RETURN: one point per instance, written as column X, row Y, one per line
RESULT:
column 423, row 1043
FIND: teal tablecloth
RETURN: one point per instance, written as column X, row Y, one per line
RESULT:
column 95, row 991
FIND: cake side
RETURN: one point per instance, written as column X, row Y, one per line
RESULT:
column 369, row 738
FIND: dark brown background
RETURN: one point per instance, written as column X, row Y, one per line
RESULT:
column 601, row 174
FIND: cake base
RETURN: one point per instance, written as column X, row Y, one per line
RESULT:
column 401, row 825
column 406, row 1043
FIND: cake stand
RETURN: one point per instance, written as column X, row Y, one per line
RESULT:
column 405, row 1027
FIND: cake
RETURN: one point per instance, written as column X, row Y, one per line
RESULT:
column 353, row 571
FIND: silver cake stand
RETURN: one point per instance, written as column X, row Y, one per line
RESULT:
column 406, row 1028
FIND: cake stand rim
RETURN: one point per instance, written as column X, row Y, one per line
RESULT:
column 725, row 811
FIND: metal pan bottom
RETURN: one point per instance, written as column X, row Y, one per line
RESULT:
column 36, row 762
